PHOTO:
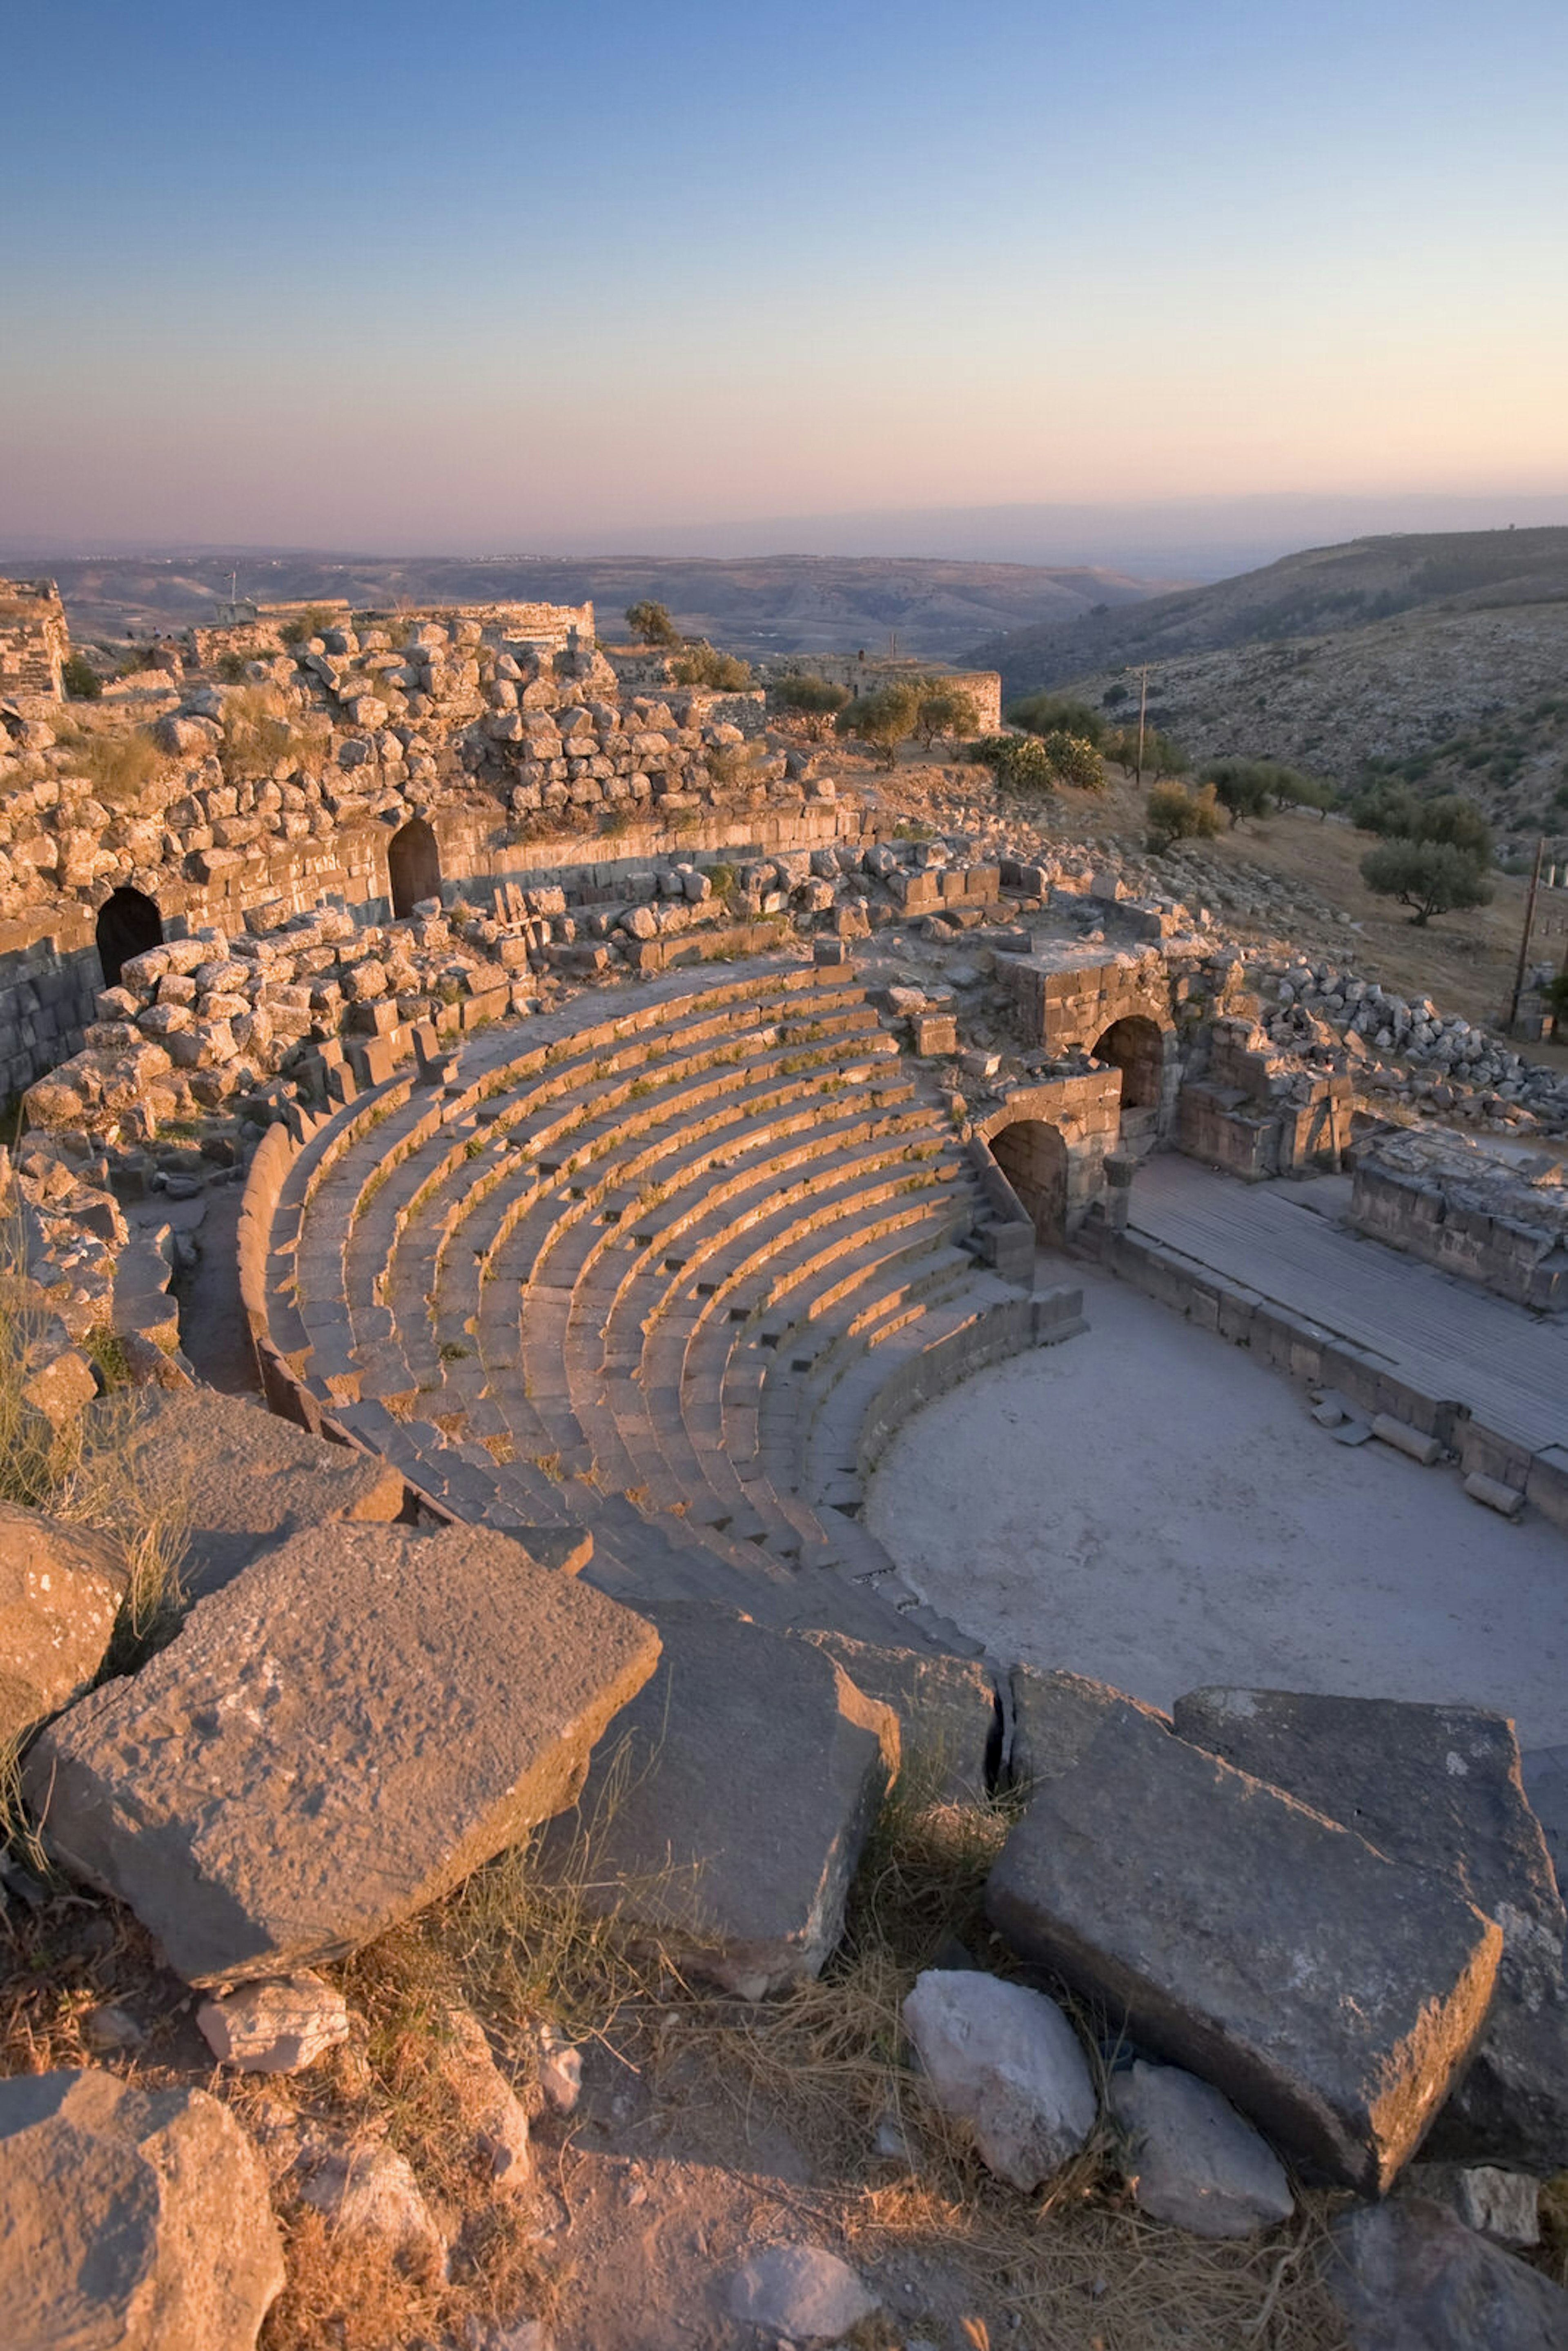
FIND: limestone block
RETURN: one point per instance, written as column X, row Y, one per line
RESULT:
column 800, row 2294
column 131, row 2217
column 334, row 1741
column 1004, row 2061
column 1190, row 2157
column 60, row 1590
column 1408, row 2276
column 281, row 2027
column 727, row 1809
column 1437, row 1788
column 1331, row 1993
column 242, row 1480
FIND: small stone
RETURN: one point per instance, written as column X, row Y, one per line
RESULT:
column 560, row 2070
column 1504, row 2205
column 110, row 2027
column 1190, row 2157
column 277, row 2027
column 370, row 2192
column 801, row 2292
column 1005, row 2062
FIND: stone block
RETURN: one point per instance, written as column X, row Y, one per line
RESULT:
column 130, row 2217
column 1331, row 1993
column 334, row 1741
column 949, row 1722
column 241, row 1480
column 1408, row 2276
column 726, row 1811
column 60, row 1590
column 1437, row 1789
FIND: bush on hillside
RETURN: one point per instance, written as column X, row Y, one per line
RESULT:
column 1430, row 877
column 314, row 621
column 1021, row 763
column 1056, row 713
column 1400, row 814
column 1162, row 755
column 650, row 623
column 815, row 700
column 1177, row 814
column 702, row 664
column 79, row 679
column 945, row 711
column 883, row 719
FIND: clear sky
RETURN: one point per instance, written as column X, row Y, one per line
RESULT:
column 483, row 275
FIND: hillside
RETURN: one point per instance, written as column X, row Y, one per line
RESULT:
column 1322, row 589
column 1444, row 659
column 758, row 605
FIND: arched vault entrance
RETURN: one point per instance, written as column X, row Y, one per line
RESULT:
column 413, row 866
column 1134, row 1046
column 1032, row 1155
column 129, row 924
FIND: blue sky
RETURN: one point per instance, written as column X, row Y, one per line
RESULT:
column 481, row 276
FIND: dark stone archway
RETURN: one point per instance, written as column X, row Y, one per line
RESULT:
column 413, row 866
column 128, row 924
column 1032, row 1155
column 1134, row 1046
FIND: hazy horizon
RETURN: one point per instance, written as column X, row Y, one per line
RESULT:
column 518, row 279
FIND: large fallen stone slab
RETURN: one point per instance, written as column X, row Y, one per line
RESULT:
column 334, row 1741
column 60, row 1590
column 1438, row 1788
column 1331, row 1993
column 1006, row 2064
column 239, row 1478
column 1408, row 2276
column 130, row 2217
column 949, row 1722
column 728, row 1808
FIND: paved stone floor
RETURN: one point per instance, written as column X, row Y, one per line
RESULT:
column 1149, row 1505
column 1451, row 1337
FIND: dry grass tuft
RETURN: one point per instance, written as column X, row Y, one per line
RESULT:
column 119, row 767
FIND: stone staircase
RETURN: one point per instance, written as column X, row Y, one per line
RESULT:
column 645, row 1267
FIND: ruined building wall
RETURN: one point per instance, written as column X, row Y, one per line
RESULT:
column 34, row 639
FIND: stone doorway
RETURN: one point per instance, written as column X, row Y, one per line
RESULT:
column 1032, row 1155
column 413, row 866
column 129, row 924
column 1134, row 1046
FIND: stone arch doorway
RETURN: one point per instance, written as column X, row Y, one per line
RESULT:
column 1032, row 1155
column 129, row 924
column 413, row 866
column 1134, row 1046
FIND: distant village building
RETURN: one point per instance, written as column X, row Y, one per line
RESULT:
column 235, row 612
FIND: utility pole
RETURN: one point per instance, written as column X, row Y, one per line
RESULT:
column 1143, row 715
column 1524, row 936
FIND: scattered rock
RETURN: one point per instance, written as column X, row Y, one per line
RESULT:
column 1408, row 2276
column 1004, row 2061
column 60, row 1590
column 222, row 1792
column 799, row 2292
column 130, row 2217
column 370, row 2190
column 489, row 2104
column 1505, row 2205
column 737, row 1849
column 1331, row 1993
column 281, row 2027
column 1190, row 2157
column 560, row 2070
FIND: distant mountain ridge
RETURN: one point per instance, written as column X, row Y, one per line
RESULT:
column 1322, row 589
column 755, row 605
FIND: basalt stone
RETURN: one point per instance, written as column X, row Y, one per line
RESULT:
column 949, row 1719
column 727, row 1807
column 334, row 1741
column 1408, row 2276
column 240, row 1478
column 1438, row 1788
column 1331, row 1993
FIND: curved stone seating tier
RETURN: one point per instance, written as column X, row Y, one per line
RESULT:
column 642, row 1266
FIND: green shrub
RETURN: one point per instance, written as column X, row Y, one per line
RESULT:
column 1075, row 760
column 1177, row 814
column 701, row 664
column 815, row 699
column 883, row 719
column 1163, row 756
column 80, row 680
column 1021, row 763
column 650, row 623
column 1056, row 713
column 313, row 622
column 944, row 710
column 1430, row 877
